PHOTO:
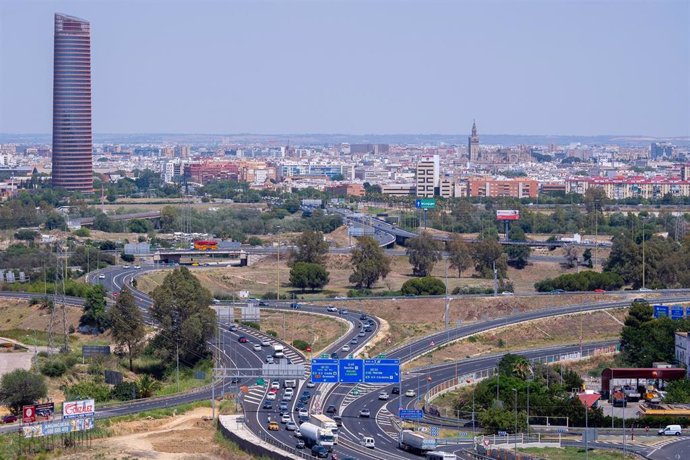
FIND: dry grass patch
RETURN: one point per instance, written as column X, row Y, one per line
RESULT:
column 320, row 331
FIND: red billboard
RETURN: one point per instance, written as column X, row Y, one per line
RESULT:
column 507, row 214
column 29, row 414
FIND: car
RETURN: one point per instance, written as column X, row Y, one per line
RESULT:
column 303, row 413
column 289, row 391
column 265, row 343
column 299, row 407
column 557, row 291
column 283, row 406
column 287, row 397
column 263, row 303
column 354, row 341
column 275, row 384
column 367, row 329
column 410, row 393
column 344, row 311
column 367, row 441
column 365, row 413
column 273, row 426
column 362, row 333
column 506, row 293
column 268, row 405
column 306, row 394
column 9, row 418
column 101, row 276
column 670, row 430
column 640, row 300
column 338, row 420
column 285, row 418
column 232, row 327
column 600, row 290
column 290, row 426
column 346, row 348
column 319, row 451
column 334, row 356
column 643, row 289
column 269, row 359
column 383, row 396
column 243, row 339
column 331, row 309
column 270, row 397
column 234, row 380
column 295, row 305
column 125, row 266
column 257, row 347
column 331, row 409
column 363, row 316
column 299, row 444
column 310, row 384
column 298, row 433
column 137, row 267
column 395, row 390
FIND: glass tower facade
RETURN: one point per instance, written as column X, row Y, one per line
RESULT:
column 72, row 136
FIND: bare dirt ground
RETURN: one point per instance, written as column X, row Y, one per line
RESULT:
column 551, row 331
column 320, row 331
column 17, row 314
column 183, row 437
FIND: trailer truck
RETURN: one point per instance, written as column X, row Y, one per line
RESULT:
column 325, row 422
column 416, row 442
column 314, row 435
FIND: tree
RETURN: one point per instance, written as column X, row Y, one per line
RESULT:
column 459, row 254
column 486, row 253
column 423, row 252
column 147, row 386
column 571, row 256
column 587, row 257
column 427, row 285
column 517, row 253
column 21, row 387
column 310, row 248
column 54, row 220
column 514, row 365
column 95, row 314
column 127, row 324
column 181, row 309
column 26, row 235
column 595, row 198
column 305, row 275
column 369, row 263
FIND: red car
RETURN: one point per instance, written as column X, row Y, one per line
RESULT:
column 243, row 339
column 9, row 419
column 599, row 290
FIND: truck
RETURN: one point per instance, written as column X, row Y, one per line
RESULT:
column 314, row 435
column 631, row 393
column 278, row 350
column 416, row 442
column 325, row 422
column 618, row 398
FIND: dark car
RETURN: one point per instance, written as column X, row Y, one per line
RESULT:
column 243, row 339
column 334, row 355
column 395, row 391
column 9, row 419
column 299, row 444
column 268, row 405
column 319, row 451
column 362, row 316
column 331, row 409
column 338, row 420
column 306, row 394
column 234, row 380
column 263, row 303
column 295, row 305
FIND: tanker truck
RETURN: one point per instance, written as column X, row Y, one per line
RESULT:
column 314, row 435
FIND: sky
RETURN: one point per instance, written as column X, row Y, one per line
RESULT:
column 360, row 67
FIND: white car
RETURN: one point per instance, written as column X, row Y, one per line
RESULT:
column 275, row 385
column 271, row 397
column 287, row 396
column 125, row 266
column 265, row 343
column 285, row 418
column 310, row 384
column 410, row 393
column 346, row 348
column 383, row 396
column 332, row 309
column 303, row 413
column 257, row 347
column 289, row 391
column 137, row 267
column 101, row 276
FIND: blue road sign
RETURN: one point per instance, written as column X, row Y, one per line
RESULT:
column 677, row 312
column 351, row 370
column 435, row 431
column 661, row 311
column 324, row 370
column 411, row 414
column 687, row 312
column 381, row 371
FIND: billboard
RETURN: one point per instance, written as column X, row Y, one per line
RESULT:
column 58, row 427
column 75, row 409
column 507, row 214
column 28, row 414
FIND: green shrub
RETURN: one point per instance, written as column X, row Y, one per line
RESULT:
column 427, row 285
column 300, row 344
column 125, row 391
column 88, row 390
column 53, row 368
column 272, row 333
column 251, row 324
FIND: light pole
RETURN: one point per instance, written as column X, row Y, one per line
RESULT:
column 516, row 429
column 643, row 261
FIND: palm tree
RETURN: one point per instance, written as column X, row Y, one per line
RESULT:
column 147, row 386
column 522, row 369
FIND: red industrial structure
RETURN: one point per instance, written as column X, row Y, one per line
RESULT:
column 656, row 373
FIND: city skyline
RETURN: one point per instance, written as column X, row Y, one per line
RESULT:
column 598, row 76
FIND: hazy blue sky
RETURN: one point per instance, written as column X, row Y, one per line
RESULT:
column 518, row 67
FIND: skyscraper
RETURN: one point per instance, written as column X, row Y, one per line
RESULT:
column 72, row 136
column 473, row 144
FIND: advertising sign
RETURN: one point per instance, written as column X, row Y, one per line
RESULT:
column 76, row 409
column 44, row 412
column 507, row 214
column 28, row 414
column 425, row 203
column 58, row 427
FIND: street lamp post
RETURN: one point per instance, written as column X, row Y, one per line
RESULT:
column 515, row 408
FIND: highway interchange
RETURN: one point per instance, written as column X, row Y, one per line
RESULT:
column 232, row 354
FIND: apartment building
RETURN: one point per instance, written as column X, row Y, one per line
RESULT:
column 516, row 188
column 619, row 188
column 427, row 175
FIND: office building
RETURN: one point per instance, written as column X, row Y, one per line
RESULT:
column 473, row 144
column 661, row 150
column 427, row 176
column 72, row 136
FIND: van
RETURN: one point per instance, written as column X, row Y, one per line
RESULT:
column 290, row 383
column 367, row 441
column 671, row 430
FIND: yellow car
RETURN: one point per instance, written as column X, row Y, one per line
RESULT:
column 273, row 426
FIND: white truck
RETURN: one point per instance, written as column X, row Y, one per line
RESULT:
column 314, row 435
column 325, row 422
column 278, row 350
column 416, row 442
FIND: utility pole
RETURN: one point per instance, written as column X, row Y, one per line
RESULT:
column 177, row 358
column 495, row 278
column 643, row 261
column 516, row 429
